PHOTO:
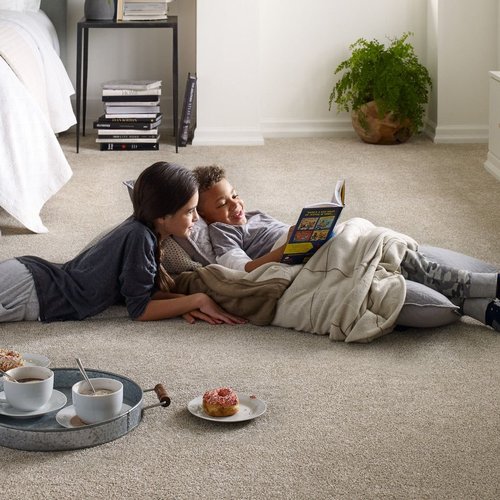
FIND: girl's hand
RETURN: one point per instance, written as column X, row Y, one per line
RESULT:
column 192, row 316
column 212, row 313
column 190, row 307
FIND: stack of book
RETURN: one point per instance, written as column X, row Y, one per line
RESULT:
column 131, row 116
column 142, row 10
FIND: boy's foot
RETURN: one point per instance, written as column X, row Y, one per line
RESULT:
column 492, row 316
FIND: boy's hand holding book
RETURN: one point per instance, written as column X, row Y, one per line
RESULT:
column 314, row 228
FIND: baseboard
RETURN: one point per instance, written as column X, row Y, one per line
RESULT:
column 458, row 134
column 492, row 165
column 273, row 129
column 307, row 128
column 227, row 137
column 327, row 128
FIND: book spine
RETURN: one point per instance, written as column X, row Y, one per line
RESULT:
column 132, row 85
column 131, row 110
column 118, row 137
column 130, row 98
column 129, row 116
column 129, row 119
column 187, row 110
column 131, row 92
column 131, row 146
column 126, row 125
column 133, row 140
column 129, row 131
column 119, row 10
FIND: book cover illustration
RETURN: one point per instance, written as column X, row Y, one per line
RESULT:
column 314, row 228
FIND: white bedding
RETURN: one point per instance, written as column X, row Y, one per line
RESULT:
column 35, row 104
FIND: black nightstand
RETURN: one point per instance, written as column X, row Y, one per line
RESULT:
column 83, row 28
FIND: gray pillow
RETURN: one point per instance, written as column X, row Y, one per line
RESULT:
column 426, row 308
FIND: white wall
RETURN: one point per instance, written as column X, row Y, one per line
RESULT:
column 432, row 64
column 228, row 71
column 265, row 67
column 301, row 47
column 466, row 51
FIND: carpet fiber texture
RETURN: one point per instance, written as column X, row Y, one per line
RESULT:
column 415, row 414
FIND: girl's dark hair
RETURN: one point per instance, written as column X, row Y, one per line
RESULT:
column 162, row 189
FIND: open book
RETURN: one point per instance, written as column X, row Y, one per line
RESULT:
column 314, row 227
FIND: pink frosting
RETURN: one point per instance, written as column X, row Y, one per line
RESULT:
column 223, row 396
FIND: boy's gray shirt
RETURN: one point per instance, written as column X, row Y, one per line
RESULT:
column 255, row 238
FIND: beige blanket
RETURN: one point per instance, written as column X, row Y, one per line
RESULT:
column 251, row 295
column 351, row 289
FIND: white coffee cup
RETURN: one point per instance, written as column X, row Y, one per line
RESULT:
column 32, row 390
column 104, row 405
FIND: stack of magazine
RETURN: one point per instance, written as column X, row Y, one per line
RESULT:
column 131, row 116
column 141, row 10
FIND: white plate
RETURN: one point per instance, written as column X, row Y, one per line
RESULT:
column 31, row 359
column 56, row 401
column 250, row 407
column 67, row 417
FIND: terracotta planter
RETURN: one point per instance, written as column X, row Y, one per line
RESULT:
column 99, row 10
column 375, row 130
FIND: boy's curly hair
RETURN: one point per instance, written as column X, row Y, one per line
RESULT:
column 208, row 176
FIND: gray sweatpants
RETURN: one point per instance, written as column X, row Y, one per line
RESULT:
column 451, row 282
column 18, row 298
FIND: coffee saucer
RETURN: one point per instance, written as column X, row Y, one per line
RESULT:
column 68, row 418
column 56, row 401
column 31, row 359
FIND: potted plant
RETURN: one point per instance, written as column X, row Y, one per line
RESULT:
column 385, row 88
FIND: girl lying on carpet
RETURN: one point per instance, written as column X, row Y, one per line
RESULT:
column 122, row 267
column 247, row 240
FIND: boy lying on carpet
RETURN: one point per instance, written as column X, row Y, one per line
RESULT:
column 247, row 240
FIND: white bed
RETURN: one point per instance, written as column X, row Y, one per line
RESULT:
column 35, row 105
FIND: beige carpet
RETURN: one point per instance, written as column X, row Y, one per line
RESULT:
column 416, row 414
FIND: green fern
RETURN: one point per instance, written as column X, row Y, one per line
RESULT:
column 391, row 76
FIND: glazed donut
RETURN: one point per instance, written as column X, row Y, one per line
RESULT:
column 10, row 359
column 221, row 402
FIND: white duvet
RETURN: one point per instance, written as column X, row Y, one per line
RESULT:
column 35, row 104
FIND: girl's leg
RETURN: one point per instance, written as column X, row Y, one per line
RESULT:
column 18, row 298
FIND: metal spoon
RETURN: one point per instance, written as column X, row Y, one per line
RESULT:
column 10, row 377
column 84, row 373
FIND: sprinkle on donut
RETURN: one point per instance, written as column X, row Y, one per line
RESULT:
column 10, row 359
column 221, row 402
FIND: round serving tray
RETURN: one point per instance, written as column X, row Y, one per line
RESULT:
column 44, row 433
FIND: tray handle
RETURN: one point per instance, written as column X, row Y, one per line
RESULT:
column 161, row 393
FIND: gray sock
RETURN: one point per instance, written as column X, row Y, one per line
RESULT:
column 483, row 285
column 476, row 308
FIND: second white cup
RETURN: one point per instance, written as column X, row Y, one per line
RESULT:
column 104, row 405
